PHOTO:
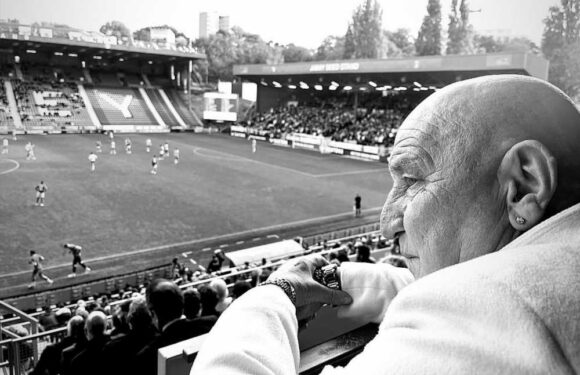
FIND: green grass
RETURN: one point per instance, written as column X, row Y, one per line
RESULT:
column 219, row 187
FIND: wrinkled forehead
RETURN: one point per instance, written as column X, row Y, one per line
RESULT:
column 420, row 133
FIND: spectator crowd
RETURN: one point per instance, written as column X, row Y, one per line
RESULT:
column 121, row 334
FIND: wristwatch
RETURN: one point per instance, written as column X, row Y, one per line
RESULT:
column 328, row 276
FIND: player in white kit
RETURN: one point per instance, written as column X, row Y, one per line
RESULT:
column 254, row 145
column 4, row 145
column 176, row 156
column 113, row 148
column 148, row 144
column 92, row 159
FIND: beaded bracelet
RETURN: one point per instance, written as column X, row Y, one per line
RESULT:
column 285, row 286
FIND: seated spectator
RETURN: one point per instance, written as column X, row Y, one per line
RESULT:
column 48, row 319
column 50, row 360
column 191, row 303
column 79, row 342
column 90, row 360
column 363, row 253
column 209, row 301
column 120, row 353
column 165, row 301
column 219, row 285
column 120, row 323
column 240, row 287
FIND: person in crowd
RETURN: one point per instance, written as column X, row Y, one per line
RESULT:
column 48, row 319
column 75, row 251
column 165, row 301
column 49, row 362
column 90, row 360
column 209, row 301
column 485, row 207
column 36, row 261
column 79, row 342
column 176, row 268
column 113, row 147
column 120, row 353
column 221, row 289
column 240, row 288
column 363, row 253
column 25, row 351
column 214, row 265
column 120, row 321
column 4, row 145
column 191, row 303
column 40, row 193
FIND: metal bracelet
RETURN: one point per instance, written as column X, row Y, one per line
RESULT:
column 285, row 286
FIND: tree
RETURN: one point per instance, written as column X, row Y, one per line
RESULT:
column 349, row 45
column 366, row 30
column 559, row 45
column 453, row 35
column 293, row 53
column 403, row 40
column 429, row 39
column 118, row 29
column 332, row 48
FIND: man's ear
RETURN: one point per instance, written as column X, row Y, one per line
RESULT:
column 529, row 174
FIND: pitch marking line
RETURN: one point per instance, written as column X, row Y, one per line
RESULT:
column 241, row 158
column 275, row 227
column 272, row 236
column 233, row 157
column 17, row 165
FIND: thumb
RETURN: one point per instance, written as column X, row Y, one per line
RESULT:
column 330, row 296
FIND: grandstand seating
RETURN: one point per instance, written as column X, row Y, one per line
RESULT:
column 162, row 108
column 44, row 104
column 105, row 79
column 178, row 100
column 5, row 113
column 107, row 103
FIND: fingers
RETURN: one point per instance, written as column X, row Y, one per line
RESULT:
column 323, row 294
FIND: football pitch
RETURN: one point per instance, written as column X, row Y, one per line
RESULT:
column 219, row 187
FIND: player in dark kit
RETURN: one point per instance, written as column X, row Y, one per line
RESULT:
column 357, row 211
column 75, row 250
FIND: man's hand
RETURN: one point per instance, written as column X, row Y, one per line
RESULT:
column 310, row 295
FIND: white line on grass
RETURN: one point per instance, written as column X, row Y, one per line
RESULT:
column 272, row 236
column 276, row 227
column 233, row 157
column 13, row 168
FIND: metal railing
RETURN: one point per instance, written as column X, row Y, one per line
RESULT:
column 40, row 340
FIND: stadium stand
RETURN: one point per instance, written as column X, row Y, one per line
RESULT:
column 6, row 119
column 162, row 108
column 371, row 127
column 179, row 102
column 120, row 106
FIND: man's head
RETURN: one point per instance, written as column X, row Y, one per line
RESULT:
column 139, row 316
column 472, row 158
column 165, row 300
column 95, row 325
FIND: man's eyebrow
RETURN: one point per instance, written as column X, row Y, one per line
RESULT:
column 402, row 160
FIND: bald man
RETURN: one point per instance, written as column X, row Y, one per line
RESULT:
column 484, row 205
column 90, row 360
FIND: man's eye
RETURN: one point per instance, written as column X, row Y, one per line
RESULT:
column 409, row 181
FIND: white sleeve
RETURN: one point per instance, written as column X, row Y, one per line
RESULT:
column 257, row 334
column 372, row 288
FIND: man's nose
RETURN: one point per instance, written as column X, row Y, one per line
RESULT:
column 392, row 216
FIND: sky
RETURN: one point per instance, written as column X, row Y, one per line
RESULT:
column 302, row 22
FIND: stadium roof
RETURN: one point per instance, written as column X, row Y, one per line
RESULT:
column 48, row 45
column 428, row 70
